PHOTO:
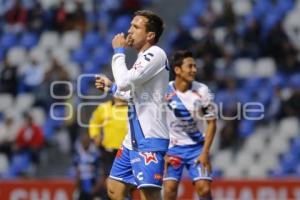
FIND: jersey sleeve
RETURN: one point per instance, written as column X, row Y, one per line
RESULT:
column 146, row 67
column 125, row 95
column 208, row 106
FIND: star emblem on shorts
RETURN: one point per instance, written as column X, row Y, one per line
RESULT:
column 149, row 157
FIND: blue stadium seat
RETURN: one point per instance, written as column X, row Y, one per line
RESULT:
column 20, row 164
column 277, row 173
column 188, row 21
column 2, row 54
column 288, row 162
column 294, row 81
column 251, row 84
column 295, row 147
column 279, row 80
column 101, row 55
column 80, row 55
column 197, row 7
column 283, row 6
column 91, row 39
column 122, row 24
column 52, row 124
column 269, row 22
column 8, row 40
column 260, row 7
column 28, row 40
column 246, row 128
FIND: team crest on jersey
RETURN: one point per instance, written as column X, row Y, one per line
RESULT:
column 169, row 96
column 137, row 65
column 149, row 157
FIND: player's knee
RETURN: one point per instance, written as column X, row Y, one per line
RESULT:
column 170, row 192
column 113, row 195
column 111, row 191
column 203, row 190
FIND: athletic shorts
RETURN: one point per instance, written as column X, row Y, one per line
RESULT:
column 142, row 169
column 185, row 156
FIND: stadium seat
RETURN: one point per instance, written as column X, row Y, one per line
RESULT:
column 49, row 40
column 60, row 54
column 28, row 40
column 121, row 24
column 38, row 115
column 246, row 128
column 268, row 159
column 279, row 145
column 294, row 81
column 265, row 67
column 291, row 25
column 8, row 40
column 219, row 34
column 197, row 7
column 234, row 171
column 278, row 80
column 289, row 162
column 188, row 22
column 244, row 68
column 222, row 159
column 256, row 171
column 242, row 7
column 4, row 163
column 39, row 54
column 91, row 40
column 244, row 158
column 71, row 40
column 2, row 53
column 17, row 56
column 23, row 102
column 295, row 148
column 80, row 55
column 277, row 173
column 260, row 7
column 256, row 143
column 289, row 127
column 101, row 56
column 19, row 165
column 73, row 70
column 6, row 101
column 47, row 4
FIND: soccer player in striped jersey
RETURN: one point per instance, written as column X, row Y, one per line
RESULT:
column 140, row 161
column 190, row 105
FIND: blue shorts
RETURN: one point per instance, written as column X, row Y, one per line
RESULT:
column 142, row 169
column 185, row 156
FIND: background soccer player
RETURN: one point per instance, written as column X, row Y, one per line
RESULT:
column 189, row 106
column 140, row 161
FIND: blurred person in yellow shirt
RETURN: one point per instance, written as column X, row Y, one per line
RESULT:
column 108, row 127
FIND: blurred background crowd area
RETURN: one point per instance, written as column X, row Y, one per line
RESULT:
column 246, row 50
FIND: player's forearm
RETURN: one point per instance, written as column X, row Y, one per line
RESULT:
column 120, row 71
column 209, row 136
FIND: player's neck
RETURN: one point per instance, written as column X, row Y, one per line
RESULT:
column 145, row 47
column 182, row 85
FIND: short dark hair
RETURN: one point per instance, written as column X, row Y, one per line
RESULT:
column 177, row 60
column 179, row 56
column 155, row 23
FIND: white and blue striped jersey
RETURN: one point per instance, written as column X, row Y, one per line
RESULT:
column 187, row 112
column 145, row 84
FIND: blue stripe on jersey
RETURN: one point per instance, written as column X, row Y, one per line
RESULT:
column 135, row 127
column 138, row 140
column 182, row 113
